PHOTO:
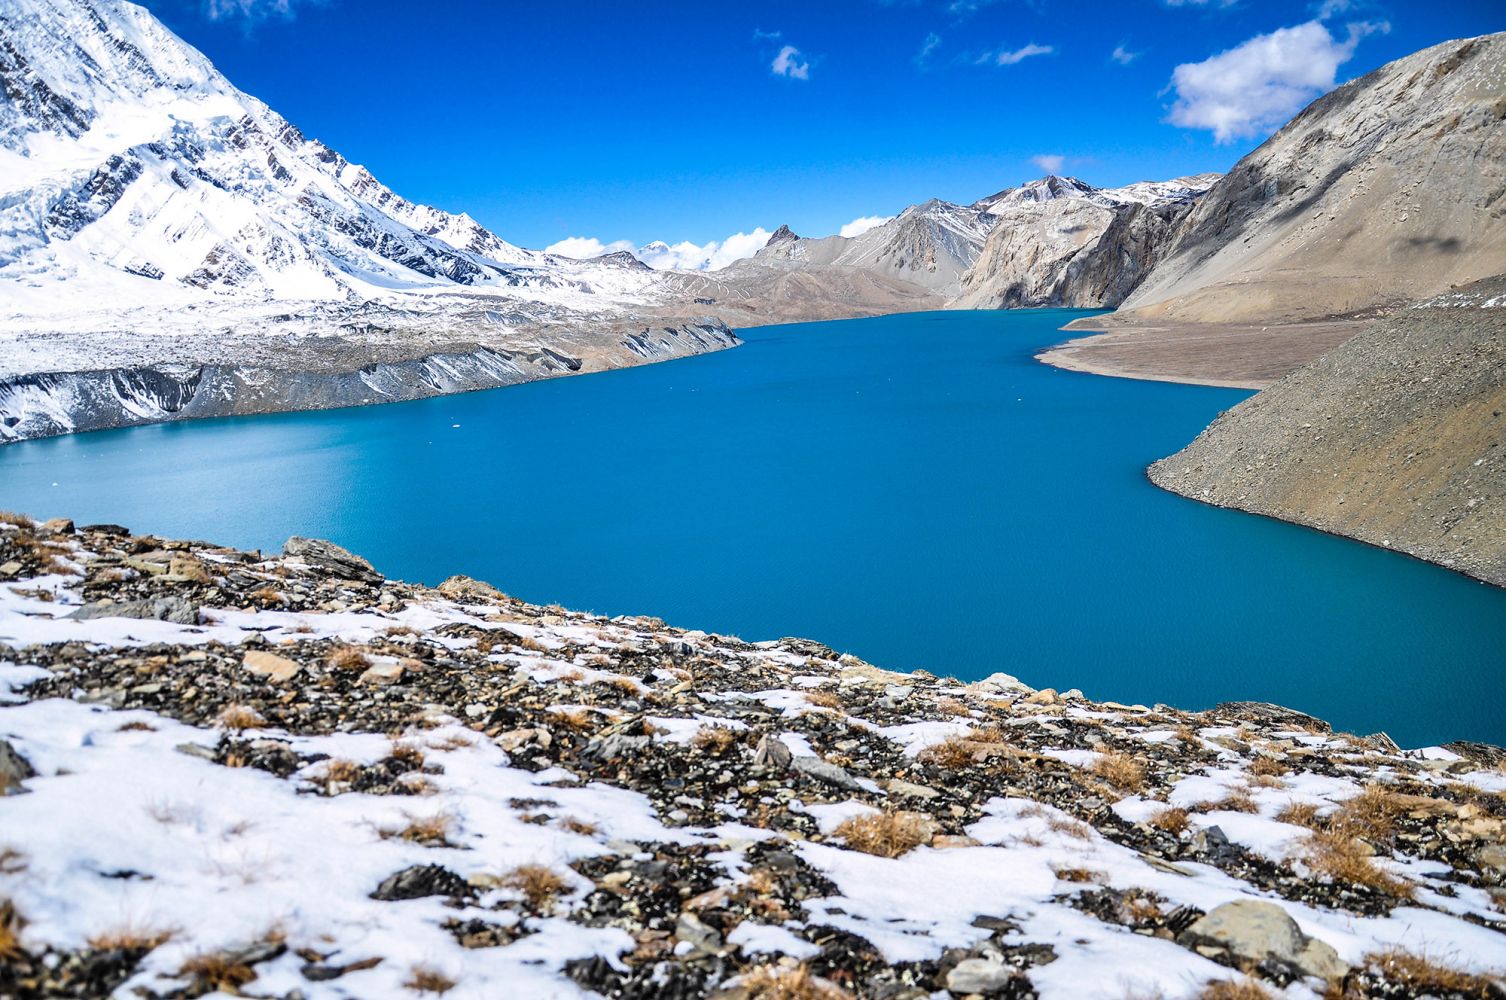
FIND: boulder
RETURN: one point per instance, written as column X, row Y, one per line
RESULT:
column 332, row 559
column 1253, row 930
column 277, row 669
column 464, row 589
column 420, row 881
column 162, row 609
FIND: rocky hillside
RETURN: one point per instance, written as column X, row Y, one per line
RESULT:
column 1060, row 242
column 233, row 773
column 1389, row 189
column 1393, row 438
column 157, row 226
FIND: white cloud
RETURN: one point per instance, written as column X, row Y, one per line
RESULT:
column 1259, row 84
column 931, row 44
column 857, row 227
column 586, row 246
column 712, row 256
column 1023, row 53
column 789, row 63
column 1051, row 163
column 248, row 10
column 1123, row 56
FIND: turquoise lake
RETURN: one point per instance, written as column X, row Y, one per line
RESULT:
column 915, row 489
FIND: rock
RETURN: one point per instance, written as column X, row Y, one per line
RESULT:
column 909, row 790
column 1267, row 714
column 11, row 568
column 277, row 669
column 1478, row 753
column 692, row 929
column 517, row 738
column 980, row 975
column 1045, row 696
column 1001, row 683
column 58, row 526
column 1492, row 859
column 382, row 673
column 420, row 881
column 162, row 609
column 331, row 558
column 14, row 769
column 825, row 771
column 1257, row 931
column 772, row 753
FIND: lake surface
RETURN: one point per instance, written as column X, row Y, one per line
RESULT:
column 914, row 489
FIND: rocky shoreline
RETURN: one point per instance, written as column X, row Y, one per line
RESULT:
column 284, row 775
column 1391, row 439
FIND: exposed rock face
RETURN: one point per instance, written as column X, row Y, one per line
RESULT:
column 1060, row 242
column 1389, row 189
column 1394, row 438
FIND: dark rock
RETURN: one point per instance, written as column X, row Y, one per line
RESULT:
column 331, row 558
column 162, row 609
column 421, row 881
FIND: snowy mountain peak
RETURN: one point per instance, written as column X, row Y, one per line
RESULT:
column 784, row 234
column 132, row 169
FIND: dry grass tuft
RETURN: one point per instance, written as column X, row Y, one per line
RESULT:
column 1372, row 813
column 1341, row 857
column 579, row 826
column 240, row 717
column 137, row 727
column 347, row 658
column 1237, row 800
column 578, row 719
column 338, row 774
column 266, row 597
column 1170, row 819
column 217, row 973
column 10, row 932
column 1232, row 989
column 1079, row 875
column 714, row 740
column 953, row 706
column 823, row 699
column 1423, row 976
column 1268, row 767
column 12, row 861
column 129, row 939
column 886, row 834
column 431, row 831
column 406, row 753
column 1299, row 814
column 1074, row 828
column 538, row 884
column 427, row 979
column 1120, row 770
column 788, row 981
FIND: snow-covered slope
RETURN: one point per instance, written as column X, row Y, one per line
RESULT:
column 151, row 213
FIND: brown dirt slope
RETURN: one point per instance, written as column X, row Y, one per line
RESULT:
column 1394, row 438
column 1389, row 189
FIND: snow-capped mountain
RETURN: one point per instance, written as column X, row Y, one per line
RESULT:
column 1040, row 225
column 152, row 213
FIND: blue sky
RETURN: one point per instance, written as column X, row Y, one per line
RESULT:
column 692, row 121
